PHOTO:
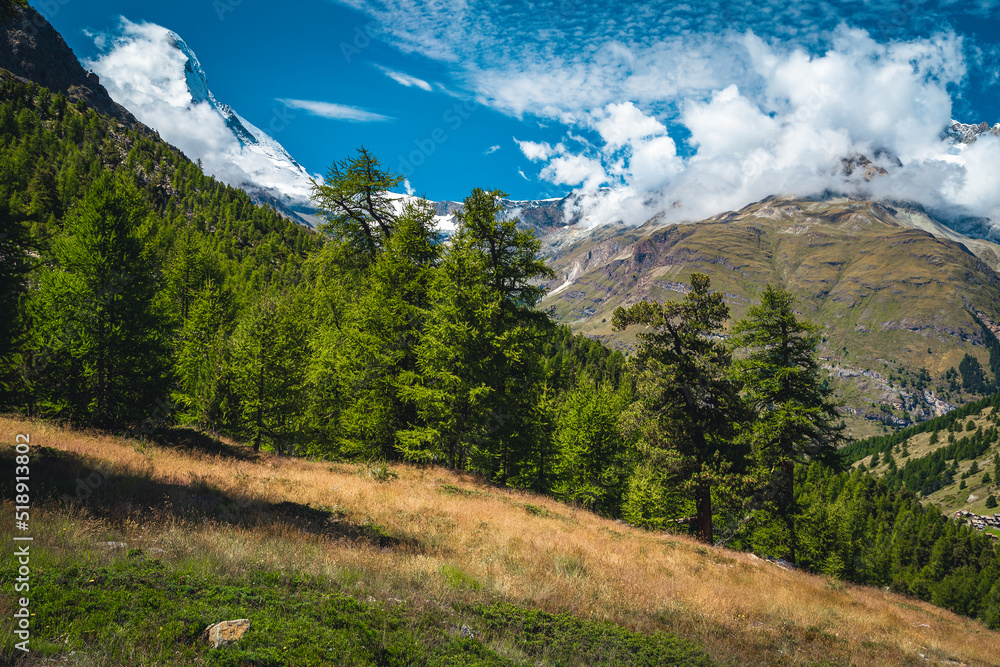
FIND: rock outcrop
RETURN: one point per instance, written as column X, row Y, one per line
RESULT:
column 225, row 632
column 32, row 49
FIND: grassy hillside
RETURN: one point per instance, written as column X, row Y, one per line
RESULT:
column 893, row 293
column 965, row 488
column 355, row 564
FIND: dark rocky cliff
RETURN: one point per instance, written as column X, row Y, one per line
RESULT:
column 31, row 48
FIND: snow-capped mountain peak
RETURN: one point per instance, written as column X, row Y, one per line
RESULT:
column 173, row 93
column 964, row 133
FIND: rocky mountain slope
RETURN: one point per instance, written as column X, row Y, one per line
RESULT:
column 32, row 49
column 896, row 293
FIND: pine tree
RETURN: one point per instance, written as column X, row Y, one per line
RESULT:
column 377, row 341
column 688, row 406
column 13, row 275
column 450, row 389
column 201, row 360
column 780, row 373
column 593, row 454
column 189, row 266
column 479, row 384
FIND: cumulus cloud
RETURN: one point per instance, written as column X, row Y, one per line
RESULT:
column 575, row 170
column 785, row 126
column 535, row 150
column 335, row 111
column 491, row 149
column 623, row 124
column 687, row 111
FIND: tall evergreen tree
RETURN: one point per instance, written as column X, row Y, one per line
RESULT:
column 189, row 266
column 354, row 199
column 451, row 388
column 594, row 459
column 13, row 275
column 480, row 378
column 377, row 339
column 99, row 342
column 795, row 421
column 687, row 405
column 201, row 360
column 269, row 354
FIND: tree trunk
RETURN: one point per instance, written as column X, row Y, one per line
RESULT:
column 703, row 500
column 101, row 380
column 260, row 407
column 788, row 504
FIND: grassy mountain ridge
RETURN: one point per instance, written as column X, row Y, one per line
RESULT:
column 409, row 565
column 892, row 297
column 950, row 465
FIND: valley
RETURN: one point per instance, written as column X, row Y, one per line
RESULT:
column 894, row 295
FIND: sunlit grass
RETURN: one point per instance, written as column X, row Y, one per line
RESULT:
column 433, row 537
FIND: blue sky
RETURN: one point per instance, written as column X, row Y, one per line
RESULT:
column 537, row 98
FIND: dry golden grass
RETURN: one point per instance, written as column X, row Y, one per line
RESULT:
column 490, row 544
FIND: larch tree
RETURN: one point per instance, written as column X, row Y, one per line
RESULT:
column 269, row 354
column 201, row 359
column 14, row 267
column 99, row 341
column 377, row 341
column 355, row 201
column 480, row 375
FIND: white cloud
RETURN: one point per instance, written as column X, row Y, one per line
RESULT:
column 335, row 111
column 535, row 150
column 575, row 170
column 773, row 95
column 622, row 124
column 144, row 71
column 405, row 79
column 784, row 129
column 727, row 122
column 491, row 150
column 408, row 187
